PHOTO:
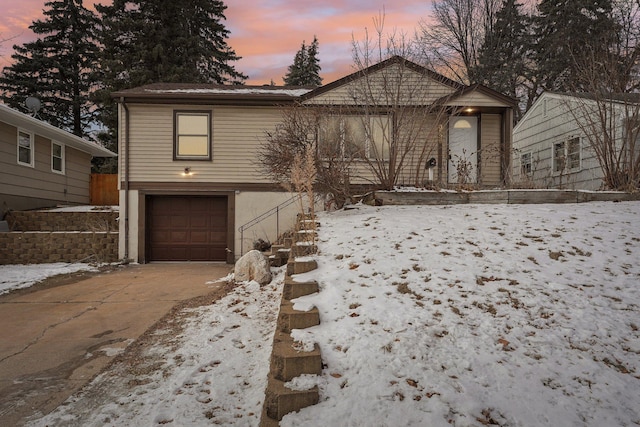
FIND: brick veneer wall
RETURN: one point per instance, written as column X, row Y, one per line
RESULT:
column 34, row 247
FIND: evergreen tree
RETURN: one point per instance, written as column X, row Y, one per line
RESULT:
column 150, row 41
column 57, row 67
column 501, row 61
column 569, row 33
column 305, row 70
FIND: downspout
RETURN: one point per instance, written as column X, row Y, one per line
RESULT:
column 126, row 179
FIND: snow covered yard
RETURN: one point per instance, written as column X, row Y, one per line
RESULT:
column 475, row 315
column 463, row 315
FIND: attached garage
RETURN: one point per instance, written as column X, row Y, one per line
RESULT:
column 187, row 228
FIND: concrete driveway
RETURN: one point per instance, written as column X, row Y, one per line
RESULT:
column 54, row 340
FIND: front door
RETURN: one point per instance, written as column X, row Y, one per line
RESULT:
column 463, row 150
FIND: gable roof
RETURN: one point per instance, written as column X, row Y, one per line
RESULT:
column 484, row 90
column 26, row 122
column 379, row 66
column 199, row 93
column 619, row 99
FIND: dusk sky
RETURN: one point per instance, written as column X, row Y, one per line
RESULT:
column 267, row 33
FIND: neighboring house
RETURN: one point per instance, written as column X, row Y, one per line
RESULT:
column 553, row 142
column 42, row 165
column 189, row 177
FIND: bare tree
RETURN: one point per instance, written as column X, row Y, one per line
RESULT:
column 608, row 114
column 453, row 35
column 292, row 140
column 378, row 131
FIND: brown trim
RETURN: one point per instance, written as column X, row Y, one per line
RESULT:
column 199, row 187
column 142, row 218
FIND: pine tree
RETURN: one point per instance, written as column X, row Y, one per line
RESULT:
column 57, row 67
column 150, row 41
column 501, row 61
column 568, row 34
column 305, row 70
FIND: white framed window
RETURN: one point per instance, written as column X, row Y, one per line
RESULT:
column 355, row 136
column 26, row 151
column 559, row 159
column 567, row 155
column 192, row 135
column 574, row 153
column 526, row 166
column 57, row 157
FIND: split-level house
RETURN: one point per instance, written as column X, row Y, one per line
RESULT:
column 555, row 144
column 42, row 165
column 192, row 188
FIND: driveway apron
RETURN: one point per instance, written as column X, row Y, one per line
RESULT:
column 53, row 341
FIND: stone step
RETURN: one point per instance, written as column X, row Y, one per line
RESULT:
column 295, row 266
column 279, row 258
column 293, row 289
column 287, row 362
column 290, row 319
column 280, row 400
column 303, row 250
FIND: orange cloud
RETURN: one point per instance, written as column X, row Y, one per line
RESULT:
column 268, row 33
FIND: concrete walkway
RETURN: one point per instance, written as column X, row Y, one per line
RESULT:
column 54, row 340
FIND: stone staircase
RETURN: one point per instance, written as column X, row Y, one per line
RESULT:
column 288, row 360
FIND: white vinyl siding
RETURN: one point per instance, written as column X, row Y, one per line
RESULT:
column 25, row 148
column 57, row 157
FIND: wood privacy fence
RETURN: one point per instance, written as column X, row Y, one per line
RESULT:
column 104, row 189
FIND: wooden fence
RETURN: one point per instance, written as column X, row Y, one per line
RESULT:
column 104, row 189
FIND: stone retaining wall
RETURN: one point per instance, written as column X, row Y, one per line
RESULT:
column 499, row 196
column 99, row 220
column 34, row 247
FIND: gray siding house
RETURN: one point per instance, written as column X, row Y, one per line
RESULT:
column 41, row 165
column 552, row 145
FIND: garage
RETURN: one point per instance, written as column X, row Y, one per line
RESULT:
column 186, row 228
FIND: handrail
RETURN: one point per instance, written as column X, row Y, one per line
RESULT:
column 262, row 217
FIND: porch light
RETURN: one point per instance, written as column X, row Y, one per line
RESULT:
column 469, row 110
column 187, row 172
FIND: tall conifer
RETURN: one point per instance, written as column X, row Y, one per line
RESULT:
column 305, row 70
column 58, row 67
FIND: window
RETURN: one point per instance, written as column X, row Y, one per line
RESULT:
column 525, row 164
column 355, row 137
column 57, row 157
column 573, row 153
column 567, row 155
column 25, row 148
column 192, row 139
column 558, row 157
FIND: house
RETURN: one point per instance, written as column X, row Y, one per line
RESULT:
column 42, row 165
column 553, row 143
column 190, row 185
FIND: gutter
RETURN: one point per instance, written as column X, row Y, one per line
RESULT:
column 126, row 179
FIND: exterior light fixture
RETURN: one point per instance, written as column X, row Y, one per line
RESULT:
column 187, row 171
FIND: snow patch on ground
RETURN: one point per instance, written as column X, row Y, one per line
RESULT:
column 18, row 276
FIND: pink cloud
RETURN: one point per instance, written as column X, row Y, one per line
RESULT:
column 268, row 33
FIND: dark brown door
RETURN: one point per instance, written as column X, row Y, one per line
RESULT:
column 186, row 228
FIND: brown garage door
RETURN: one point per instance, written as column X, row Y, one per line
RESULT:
column 186, row 228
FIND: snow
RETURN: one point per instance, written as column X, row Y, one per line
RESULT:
column 85, row 208
column 18, row 276
column 464, row 315
column 232, row 90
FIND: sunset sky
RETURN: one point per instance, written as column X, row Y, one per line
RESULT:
column 267, row 33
